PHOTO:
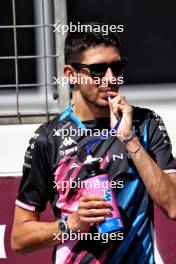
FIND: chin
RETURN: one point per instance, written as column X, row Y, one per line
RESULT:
column 102, row 102
column 97, row 101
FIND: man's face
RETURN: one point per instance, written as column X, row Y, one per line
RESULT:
column 91, row 90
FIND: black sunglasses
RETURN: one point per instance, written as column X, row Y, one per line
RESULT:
column 99, row 69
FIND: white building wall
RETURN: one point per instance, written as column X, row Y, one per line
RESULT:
column 14, row 138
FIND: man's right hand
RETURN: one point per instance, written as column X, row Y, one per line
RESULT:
column 91, row 209
column 29, row 234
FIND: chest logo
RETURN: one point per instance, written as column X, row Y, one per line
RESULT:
column 68, row 142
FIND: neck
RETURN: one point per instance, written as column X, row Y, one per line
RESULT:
column 86, row 110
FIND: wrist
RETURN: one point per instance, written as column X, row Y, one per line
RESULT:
column 126, row 137
column 133, row 146
column 73, row 223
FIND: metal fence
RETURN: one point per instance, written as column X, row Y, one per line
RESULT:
column 37, row 101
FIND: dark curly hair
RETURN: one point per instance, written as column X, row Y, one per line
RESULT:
column 77, row 42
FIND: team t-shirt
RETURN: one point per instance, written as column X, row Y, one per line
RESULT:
column 54, row 170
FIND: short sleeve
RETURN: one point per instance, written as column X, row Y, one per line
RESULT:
column 36, row 183
column 160, row 144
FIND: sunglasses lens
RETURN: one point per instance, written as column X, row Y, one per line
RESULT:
column 98, row 70
column 119, row 67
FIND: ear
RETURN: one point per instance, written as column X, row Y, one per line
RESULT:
column 70, row 73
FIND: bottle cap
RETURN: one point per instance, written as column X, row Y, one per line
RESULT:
column 91, row 163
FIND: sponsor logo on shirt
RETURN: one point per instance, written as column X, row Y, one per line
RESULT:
column 68, row 151
column 28, row 155
column 108, row 159
column 68, row 142
column 35, row 136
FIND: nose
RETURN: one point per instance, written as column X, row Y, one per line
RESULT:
column 109, row 75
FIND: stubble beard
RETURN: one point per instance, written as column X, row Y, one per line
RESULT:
column 93, row 101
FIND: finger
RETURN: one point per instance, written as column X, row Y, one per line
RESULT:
column 94, row 205
column 90, row 197
column 92, row 219
column 116, row 97
column 119, row 100
column 116, row 100
column 94, row 212
column 113, row 94
column 110, row 103
column 116, row 109
column 113, row 114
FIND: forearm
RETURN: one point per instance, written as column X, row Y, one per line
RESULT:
column 160, row 186
column 29, row 234
column 34, row 235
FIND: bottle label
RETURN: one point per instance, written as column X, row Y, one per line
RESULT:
column 100, row 186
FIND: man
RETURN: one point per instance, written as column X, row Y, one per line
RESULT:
column 138, row 155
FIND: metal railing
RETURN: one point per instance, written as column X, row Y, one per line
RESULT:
column 28, row 107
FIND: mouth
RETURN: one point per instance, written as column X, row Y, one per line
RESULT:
column 106, row 90
column 104, row 94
